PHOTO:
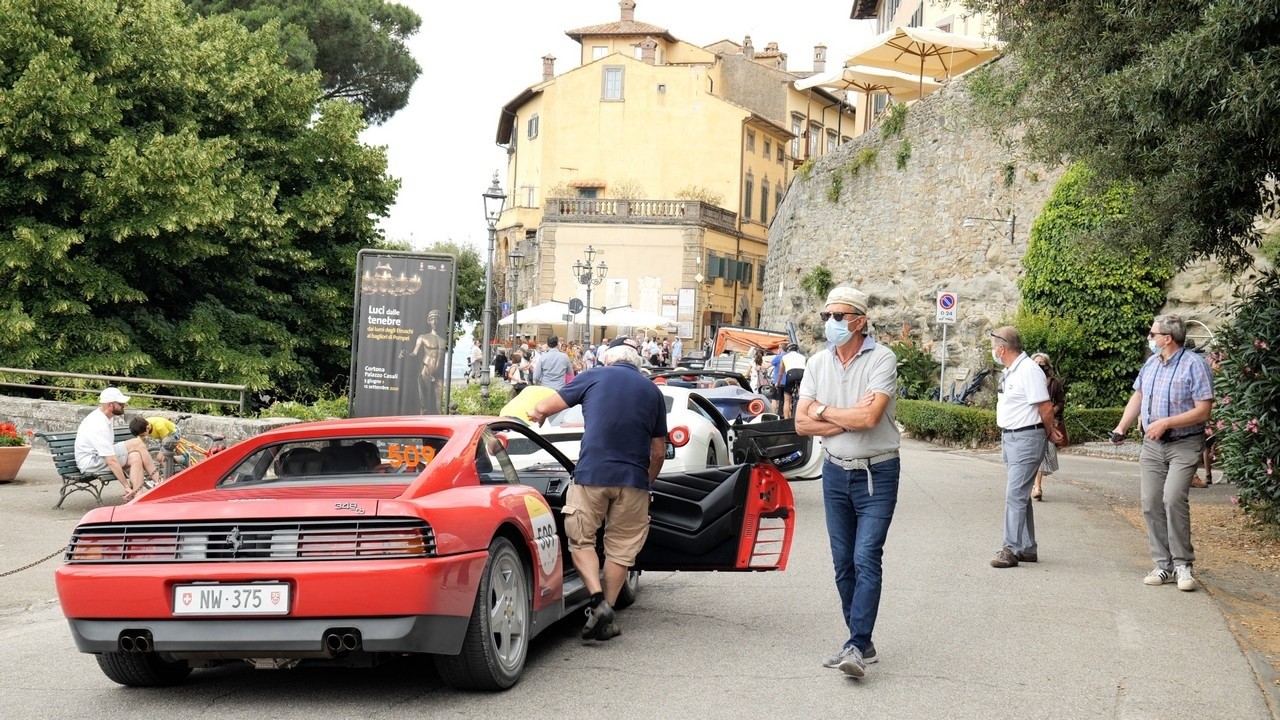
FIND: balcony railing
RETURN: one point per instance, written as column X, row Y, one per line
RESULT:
column 638, row 212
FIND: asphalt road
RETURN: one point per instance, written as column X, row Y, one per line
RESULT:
column 1075, row 636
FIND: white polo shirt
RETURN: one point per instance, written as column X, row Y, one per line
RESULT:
column 1022, row 387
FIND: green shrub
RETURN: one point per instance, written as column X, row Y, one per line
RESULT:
column 917, row 370
column 963, row 425
column 903, row 154
column 837, row 182
column 894, row 120
column 818, row 282
column 931, row 420
column 321, row 409
column 1101, row 300
column 805, row 169
column 866, row 156
column 1246, row 418
column 468, row 401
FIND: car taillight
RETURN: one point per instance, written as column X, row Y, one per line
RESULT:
column 97, row 547
column 679, row 436
column 755, row 407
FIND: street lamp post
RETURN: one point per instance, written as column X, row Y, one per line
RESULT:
column 494, row 199
column 590, row 277
column 516, row 257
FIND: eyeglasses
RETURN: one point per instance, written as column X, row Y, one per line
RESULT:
column 1153, row 334
column 839, row 316
column 997, row 337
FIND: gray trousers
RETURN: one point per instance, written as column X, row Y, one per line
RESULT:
column 1022, row 453
column 1167, row 469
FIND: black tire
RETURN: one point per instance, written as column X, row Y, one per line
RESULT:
column 143, row 669
column 492, row 658
column 630, row 589
column 713, row 459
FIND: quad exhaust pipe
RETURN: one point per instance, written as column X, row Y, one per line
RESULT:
column 339, row 640
column 135, row 641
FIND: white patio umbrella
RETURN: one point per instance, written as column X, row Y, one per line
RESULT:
column 925, row 52
column 865, row 79
column 551, row 312
column 629, row 317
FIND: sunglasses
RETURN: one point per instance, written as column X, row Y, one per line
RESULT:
column 839, row 316
column 1151, row 334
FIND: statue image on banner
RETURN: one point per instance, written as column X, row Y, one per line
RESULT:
column 430, row 349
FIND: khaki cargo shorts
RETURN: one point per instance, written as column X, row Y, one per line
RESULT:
column 624, row 512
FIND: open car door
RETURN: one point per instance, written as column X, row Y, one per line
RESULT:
column 739, row 517
column 799, row 457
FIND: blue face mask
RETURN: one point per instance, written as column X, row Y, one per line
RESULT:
column 1151, row 343
column 837, row 331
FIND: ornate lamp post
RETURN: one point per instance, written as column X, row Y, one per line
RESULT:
column 590, row 277
column 494, row 199
column 516, row 258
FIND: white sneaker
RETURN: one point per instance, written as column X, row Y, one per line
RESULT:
column 1186, row 582
column 1157, row 577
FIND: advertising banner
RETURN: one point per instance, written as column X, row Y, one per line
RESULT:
column 402, row 336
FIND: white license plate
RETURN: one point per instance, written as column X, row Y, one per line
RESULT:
column 249, row 599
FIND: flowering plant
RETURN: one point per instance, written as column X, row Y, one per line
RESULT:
column 10, row 437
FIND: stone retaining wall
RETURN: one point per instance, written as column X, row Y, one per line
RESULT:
column 50, row 416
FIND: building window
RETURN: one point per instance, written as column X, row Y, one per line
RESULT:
column 612, row 88
column 768, row 148
column 831, row 140
column 777, row 202
column 751, row 187
column 815, row 136
column 751, row 141
column 764, row 201
column 589, row 193
column 598, row 51
column 797, row 129
column 533, row 127
column 530, row 196
column 639, row 52
column 760, row 276
column 782, row 156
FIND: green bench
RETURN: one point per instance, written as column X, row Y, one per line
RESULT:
column 62, row 445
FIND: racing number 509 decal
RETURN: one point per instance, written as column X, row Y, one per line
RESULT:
column 544, row 533
column 409, row 455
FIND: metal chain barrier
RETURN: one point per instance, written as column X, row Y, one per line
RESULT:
column 26, row 567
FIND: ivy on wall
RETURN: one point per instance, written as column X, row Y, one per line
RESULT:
column 1090, row 303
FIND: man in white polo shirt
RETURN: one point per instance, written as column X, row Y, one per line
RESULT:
column 847, row 397
column 1024, row 413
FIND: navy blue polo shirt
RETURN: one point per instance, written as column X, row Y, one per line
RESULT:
column 622, row 411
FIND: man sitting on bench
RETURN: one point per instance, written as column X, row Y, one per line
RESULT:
column 97, row 453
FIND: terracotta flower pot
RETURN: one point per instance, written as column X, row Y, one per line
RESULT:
column 11, row 459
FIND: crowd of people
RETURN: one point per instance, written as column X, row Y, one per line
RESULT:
column 552, row 363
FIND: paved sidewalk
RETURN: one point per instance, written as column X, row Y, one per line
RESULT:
column 1076, row 635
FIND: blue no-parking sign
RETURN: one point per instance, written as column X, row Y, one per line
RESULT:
column 946, row 307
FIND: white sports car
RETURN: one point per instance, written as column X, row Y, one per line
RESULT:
column 697, row 435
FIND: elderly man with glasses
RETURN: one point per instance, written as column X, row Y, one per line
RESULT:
column 847, row 396
column 1024, row 413
column 1172, row 397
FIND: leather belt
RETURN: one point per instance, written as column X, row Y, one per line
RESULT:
column 1037, row 426
column 862, row 463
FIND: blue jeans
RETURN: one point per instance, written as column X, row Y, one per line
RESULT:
column 858, row 516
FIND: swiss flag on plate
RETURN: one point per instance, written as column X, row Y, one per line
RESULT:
column 186, row 598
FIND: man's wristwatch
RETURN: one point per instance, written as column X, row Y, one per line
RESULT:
column 821, row 409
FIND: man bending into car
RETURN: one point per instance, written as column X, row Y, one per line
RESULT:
column 622, row 451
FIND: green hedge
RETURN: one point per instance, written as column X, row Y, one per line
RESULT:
column 929, row 420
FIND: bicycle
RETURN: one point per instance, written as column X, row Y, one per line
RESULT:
column 178, row 453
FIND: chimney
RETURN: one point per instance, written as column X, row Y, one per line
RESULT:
column 628, row 10
column 548, row 67
column 819, row 58
column 648, row 48
column 771, row 47
column 748, row 50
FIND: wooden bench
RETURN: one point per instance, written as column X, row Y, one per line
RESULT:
column 62, row 445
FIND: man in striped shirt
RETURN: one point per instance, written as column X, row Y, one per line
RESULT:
column 1172, row 398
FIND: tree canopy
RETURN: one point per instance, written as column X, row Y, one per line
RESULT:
column 357, row 45
column 175, row 202
column 1180, row 100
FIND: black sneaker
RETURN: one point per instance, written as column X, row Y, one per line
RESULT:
column 598, row 620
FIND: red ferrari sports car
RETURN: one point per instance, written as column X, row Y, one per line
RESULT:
column 351, row 542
